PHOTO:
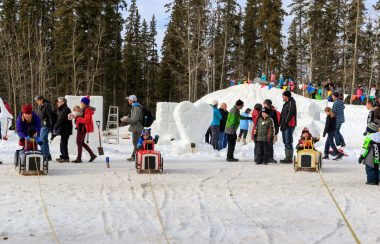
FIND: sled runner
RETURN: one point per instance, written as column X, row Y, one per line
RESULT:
column 30, row 162
column 149, row 160
column 308, row 160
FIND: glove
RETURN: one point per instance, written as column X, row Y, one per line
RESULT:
column 39, row 141
column 27, row 138
column 124, row 119
column 365, row 133
column 139, row 146
column 283, row 127
column 361, row 159
column 324, row 134
column 5, row 138
column 156, row 137
column 255, row 138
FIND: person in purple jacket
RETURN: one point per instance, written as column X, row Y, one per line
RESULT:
column 27, row 119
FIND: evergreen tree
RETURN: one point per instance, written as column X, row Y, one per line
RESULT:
column 292, row 51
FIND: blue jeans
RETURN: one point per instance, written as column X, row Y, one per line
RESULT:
column 287, row 137
column 372, row 174
column 338, row 137
column 222, row 140
column 330, row 143
column 44, row 134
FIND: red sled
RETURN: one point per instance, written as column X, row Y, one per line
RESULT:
column 149, row 160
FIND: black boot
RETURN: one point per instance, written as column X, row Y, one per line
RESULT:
column 288, row 157
column 77, row 161
column 92, row 158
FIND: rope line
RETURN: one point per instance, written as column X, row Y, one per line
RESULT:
column 43, row 201
column 340, row 211
column 157, row 210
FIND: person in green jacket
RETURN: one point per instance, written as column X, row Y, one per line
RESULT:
column 370, row 154
column 232, row 124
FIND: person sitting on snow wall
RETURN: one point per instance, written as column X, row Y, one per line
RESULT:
column 370, row 154
column 146, row 141
column 31, row 142
column 307, row 140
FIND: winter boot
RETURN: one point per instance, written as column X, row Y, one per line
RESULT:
column 244, row 141
column 77, row 161
column 238, row 139
column 288, row 157
column 92, row 158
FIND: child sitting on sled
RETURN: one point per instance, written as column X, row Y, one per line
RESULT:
column 370, row 154
column 307, row 140
column 146, row 141
column 31, row 142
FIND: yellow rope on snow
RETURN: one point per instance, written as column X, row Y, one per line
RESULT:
column 340, row 210
column 157, row 211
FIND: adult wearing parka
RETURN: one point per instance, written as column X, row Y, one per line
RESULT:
column 64, row 128
column 84, row 125
column 223, row 136
column 215, row 124
column 338, row 110
column 288, row 122
column 233, row 122
column 45, row 113
column 26, row 120
column 135, row 123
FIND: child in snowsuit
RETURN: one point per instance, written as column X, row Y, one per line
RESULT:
column 330, row 130
column 264, row 136
column 245, row 120
column 77, row 112
column 146, row 141
column 307, row 140
column 370, row 154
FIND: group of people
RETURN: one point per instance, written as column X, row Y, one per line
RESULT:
column 33, row 128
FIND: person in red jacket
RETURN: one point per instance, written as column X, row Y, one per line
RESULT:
column 255, row 116
column 84, row 125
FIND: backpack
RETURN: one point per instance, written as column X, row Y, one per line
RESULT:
column 148, row 118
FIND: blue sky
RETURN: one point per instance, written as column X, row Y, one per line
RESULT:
column 149, row 7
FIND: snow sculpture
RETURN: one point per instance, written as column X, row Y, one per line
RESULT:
column 4, row 117
column 165, row 125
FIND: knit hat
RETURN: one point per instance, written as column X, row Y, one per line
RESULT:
column 85, row 100
column 27, row 109
column 305, row 130
column 287, row 94
column 133, row 98
column 145, row 132
column 239, row 103
column 214, row 102
column 372, row 127
column 248, row 110
column 336, row 94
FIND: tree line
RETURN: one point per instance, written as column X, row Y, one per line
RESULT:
column 88, row 47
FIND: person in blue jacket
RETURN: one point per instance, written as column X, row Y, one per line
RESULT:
column 26, row 120
column 245, row 120
column 215, row 124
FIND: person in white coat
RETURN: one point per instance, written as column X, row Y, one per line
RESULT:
column 5, row 123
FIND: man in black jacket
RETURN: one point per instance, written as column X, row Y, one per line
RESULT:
column 222, row 136
column 64, row 128
column 45, row 113
column 288, row 122
column 273, row 115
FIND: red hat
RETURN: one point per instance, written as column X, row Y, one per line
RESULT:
column 27, row 109
column 305, row 130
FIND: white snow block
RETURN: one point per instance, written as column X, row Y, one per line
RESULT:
column 193, row 121
column 97, row 102
column 165, row 125
column 4, row 116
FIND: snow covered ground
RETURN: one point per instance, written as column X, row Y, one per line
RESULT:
column 200, row 197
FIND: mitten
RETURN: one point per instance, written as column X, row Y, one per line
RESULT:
column 156, row 137
column 361, row 159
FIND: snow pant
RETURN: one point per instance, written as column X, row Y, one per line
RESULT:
column 271, row 151
column 338, row 136
column 215, row 136
column 63, row 146
column 135, row 140
column 243, row 133
column 208, row 135
column 287, row 137
column 263, row 152
column 81, row 136
column 44, row 135
column 231, row 140
column 222, row 140
column 330, row 143
column 372, row 174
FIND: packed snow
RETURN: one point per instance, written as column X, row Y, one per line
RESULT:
column 201, row 198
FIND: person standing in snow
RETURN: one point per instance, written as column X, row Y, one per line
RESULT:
column 26, row 120
column 338, row 110
column 64, row 128
column 222, row 136
column 5, row 120
column 288, row 122
column 330, row 130
column 135, row 123
column 245, row 120
column 255, row 116
column 264, row 135
column 272, row 112
column 232, row 124
column 45, row 113
column 84, row 125
column 215, row 125
column 370, row 154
